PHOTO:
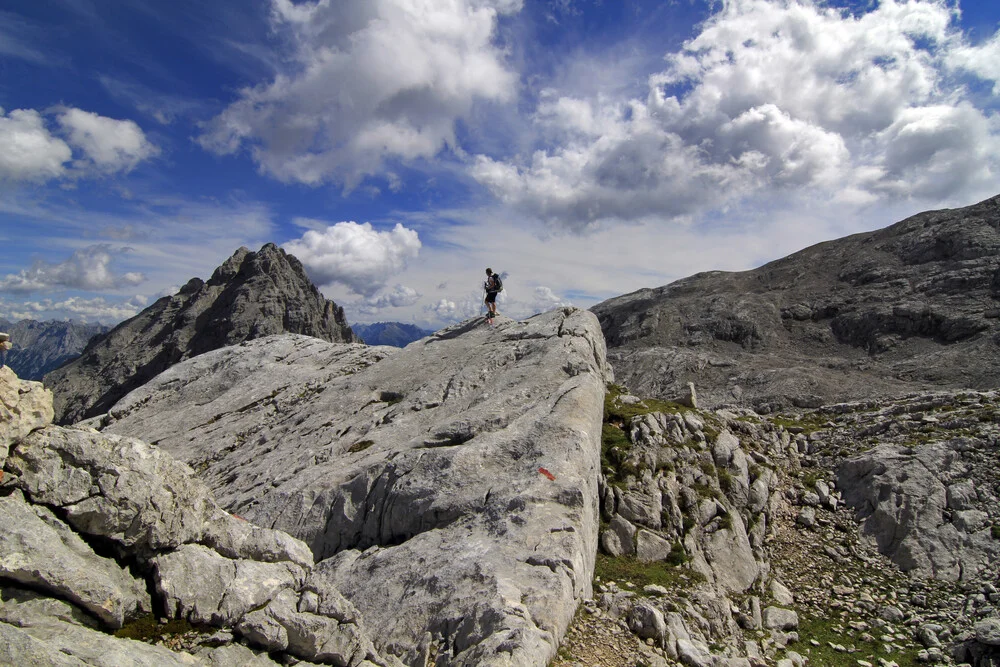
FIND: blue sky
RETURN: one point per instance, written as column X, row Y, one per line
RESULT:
column 587, row 148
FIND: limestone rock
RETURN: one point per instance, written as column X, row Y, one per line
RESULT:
column 899, row 497
column 24, row 406
column 252, row 294
column 470, row 459
column 40, row 551
column 880, row 313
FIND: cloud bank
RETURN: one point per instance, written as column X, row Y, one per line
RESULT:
column 769, row 97
column 86, row 269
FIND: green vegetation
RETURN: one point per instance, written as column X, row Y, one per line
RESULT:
column 995, row 531
column 360, row 446
column 678, row 554
column 148, row 629
column 824, row 631
column 627, row 568
column 617, row 412
column 806, row 424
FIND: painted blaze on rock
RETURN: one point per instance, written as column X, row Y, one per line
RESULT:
column 413, row 474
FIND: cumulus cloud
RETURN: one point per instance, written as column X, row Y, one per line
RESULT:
column 770, row 95
column 86, row 269
column 370, row 81
column 110, row 145
column 358, row 256
column 28, row 151
column 401, row 296
column 96, row 309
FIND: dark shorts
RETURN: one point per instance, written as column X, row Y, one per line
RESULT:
column 491, row 297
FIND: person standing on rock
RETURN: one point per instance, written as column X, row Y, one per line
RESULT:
column 493, row 285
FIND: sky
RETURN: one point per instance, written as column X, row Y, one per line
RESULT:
column 581, row 148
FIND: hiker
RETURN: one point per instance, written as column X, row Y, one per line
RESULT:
column 493, row 285
column 5, row 345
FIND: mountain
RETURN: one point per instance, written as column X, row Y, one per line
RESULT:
column 395, row 334
column 40, row 347
column 252, row 294
column 913, row 306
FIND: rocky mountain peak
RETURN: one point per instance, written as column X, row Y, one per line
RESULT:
column 252, row 294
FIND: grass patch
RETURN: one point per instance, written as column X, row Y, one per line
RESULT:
column 803, row 424
column 360, row 446
column 823, row 631
column 627, row 568
column 148, row 628
column 615, row 411
column 995, row 531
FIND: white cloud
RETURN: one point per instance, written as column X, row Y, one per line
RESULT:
column 28, row 152
column 770, row 96
column 371, row 81
column 87, row 269
column 354, row 255
column 982, row 60
column 401, row 296
column 96, row 309
column 110, row 145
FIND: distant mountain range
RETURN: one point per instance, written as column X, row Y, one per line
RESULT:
column 395, row 334
column 40, row 347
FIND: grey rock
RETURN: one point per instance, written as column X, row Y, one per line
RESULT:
column 252, row 294
column 17, row 647
column 24, row 407
column 899, row 498
column 777, row 618
column 40, row 551
column 781, row 594
column 647, row 622
column 988, row 632
column 651, row 547
column 880, row 313
column 693, row 653
column 197, row 584
column 434, row 453
column 891, row 613
column 137, row 495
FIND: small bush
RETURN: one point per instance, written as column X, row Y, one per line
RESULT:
column 678, row 554
column 995, row 531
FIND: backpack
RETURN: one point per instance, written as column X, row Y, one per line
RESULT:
column 497, row 283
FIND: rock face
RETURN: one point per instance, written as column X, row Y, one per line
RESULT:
column 448, row 489
column 40, row 347
column 101, row 530
column 912, row 306
column 252, row 294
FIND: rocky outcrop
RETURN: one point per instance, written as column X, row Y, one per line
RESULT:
column 253, row 294
column 449, row 489
column 101, row 531
column 40, row 347
column 877, row 314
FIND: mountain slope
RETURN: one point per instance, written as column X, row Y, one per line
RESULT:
column 395, row 334
column 911, row 306
column 252, row 294
column 40, row 347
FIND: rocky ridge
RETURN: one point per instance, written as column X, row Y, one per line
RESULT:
column 448, row 489
column 880, row 314
column 252, row 294
column 102, row 531
column 40, row 347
